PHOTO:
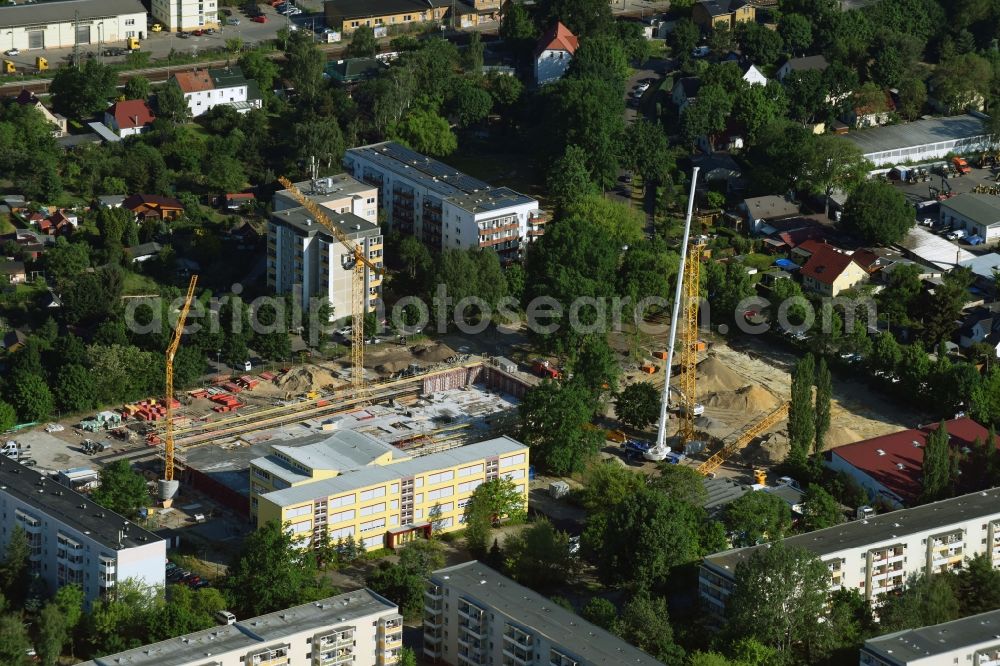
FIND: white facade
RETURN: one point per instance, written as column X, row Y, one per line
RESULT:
column 444, row 208
column 359, row 628
column 474, row 615
column 754, row 77
column 306, row 260
column 551, row 65
column 186, row 14
column 978, row 214
column 339, row 193
column 64, row 24
column 875, row 556
column 203, row 101
column 74, row 540
column 922, row 140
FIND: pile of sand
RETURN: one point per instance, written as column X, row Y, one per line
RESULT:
column 839, row 436
column 305, row 379
column 749, row 399
column 435, row 354
column 391, row 366
column 714, row 376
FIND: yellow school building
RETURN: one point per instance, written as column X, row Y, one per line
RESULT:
column 351, row 484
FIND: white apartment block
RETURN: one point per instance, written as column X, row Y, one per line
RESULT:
column 475, row 616
column 970, row 641
column 205, row 89
column 72, row 539
column 305, row 259
column 445, row 208
column 57, row 25
column 357, row 628
column 186, row 14
column 875, row 555
column 338, row 193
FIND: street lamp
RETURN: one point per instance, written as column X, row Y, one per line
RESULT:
column 218, row 361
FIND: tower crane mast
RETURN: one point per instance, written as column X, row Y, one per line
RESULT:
column 359, row 297
column 168, row 486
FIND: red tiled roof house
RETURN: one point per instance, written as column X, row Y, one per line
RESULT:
column 153, row 206
column 890, row 467
column 554, row 53
column 129, row 118
column 829, row 271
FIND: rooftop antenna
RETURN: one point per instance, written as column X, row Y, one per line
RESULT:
column 312, row 171
column 661, row 433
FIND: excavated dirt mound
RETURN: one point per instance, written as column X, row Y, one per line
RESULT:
column 392, row 366
column 749, row 399
column 435, row 354
column 304, row 379
column 839, row 436
column 715, row 377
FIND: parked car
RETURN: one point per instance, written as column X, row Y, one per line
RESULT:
column 233, row 21
column 12, row 52
column 209, row 31
column 182, row 34
column 642, row 87
column 259, row 19
column 700, row 51
column 156, row 27
column 197, row 33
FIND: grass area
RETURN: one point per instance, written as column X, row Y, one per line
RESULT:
column 135, row 284
column 517, row 171
column 5, row 226
column 761, row 262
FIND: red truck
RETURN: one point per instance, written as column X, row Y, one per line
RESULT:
column 961, row 165
column 545, row 369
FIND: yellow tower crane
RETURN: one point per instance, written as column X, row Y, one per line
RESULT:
column 689, row 338
column 168, row 486
column 359, row 296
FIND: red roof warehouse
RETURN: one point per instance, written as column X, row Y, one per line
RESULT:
column 890, row 467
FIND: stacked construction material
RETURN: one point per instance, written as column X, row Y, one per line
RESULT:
column 225, row 403
column 248, row 382
column 232, row 387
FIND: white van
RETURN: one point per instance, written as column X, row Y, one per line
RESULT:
column 225, row 617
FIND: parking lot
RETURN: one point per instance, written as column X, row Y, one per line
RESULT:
column 960, row 184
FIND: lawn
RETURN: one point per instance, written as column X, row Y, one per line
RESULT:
column 5, row 226
column 517, row 171
column 136, row 284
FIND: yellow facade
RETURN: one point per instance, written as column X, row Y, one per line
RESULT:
column 399, row 498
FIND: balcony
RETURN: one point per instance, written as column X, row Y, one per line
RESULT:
column 433, row 618
column 432, row 652
column 518, row 655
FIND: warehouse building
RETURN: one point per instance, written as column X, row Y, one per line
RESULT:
column 186, row 14
column 876, row 555
column 357, row 492
column 474, row 615
column 72, row 539
column 973, row 640
column 978, row 214
column 922, row 140
column 359, row 628
column 56, row 25
column 442, row 206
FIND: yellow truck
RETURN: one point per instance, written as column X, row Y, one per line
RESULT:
column 132, row 43
column 156, row 27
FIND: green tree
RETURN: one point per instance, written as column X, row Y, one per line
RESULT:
column 779, row 598
column 52, row 634
column 898, row 300
column 407, row 657
column 595, row 366
column 404, row 583
column 539, row 556
column 757, row 517
column 645, row 623
column 584, row 18
column 962, row 81
column 262, row 69
column 304, row 64
column 756, row 107
column 796, row 31
column 8, row 416
column 82, row 91
column 470, row 103
column 878, row 213
column 600, row 58
column 942, row 310
column 977, row 586
column 14, row 570
column 821, row 510
column 73, row 389
column 14, row 643
column 569, row 179
column 587, row 113
column 912, row 97
column 601, row 612
column 638, row 541
column 122, row 490
column 708, row 114
column 170, row 104
column 31, row 397
column 553, row 417
column 270, row 573
column 607, row 484
column 923, row 602
column 936, row 466
column 426, row 132
column 762, row 45
column 638, row 405
column 684, row 38
column 824, row 395
column 499, row 500
column 70, row 600
column 801, row 414
column 985, row 398
column 835, row 164
column 65, row 260
column 363, row 43
column 137, row 87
